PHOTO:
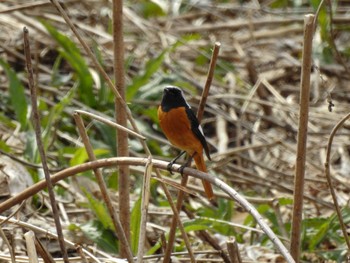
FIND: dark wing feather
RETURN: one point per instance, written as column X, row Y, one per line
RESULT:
column 195, row 129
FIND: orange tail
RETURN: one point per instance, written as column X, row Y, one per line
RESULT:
column 200, row 164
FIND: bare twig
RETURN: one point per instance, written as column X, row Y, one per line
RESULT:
column 43, row 251
column 6, row 241
column 208, row 82
column 144, row 210
column 46, row 232
column 233, row 251
column 110, row 123
column 329, row 179
column 37, row 127
column 122, row 146
column 156, row 164
column 302, row 138
column 116, row 221
column 30, row 242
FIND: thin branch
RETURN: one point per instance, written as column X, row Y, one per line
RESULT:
column 144, row 209
column 116, row 221
column 46, row 233
column 122, row 139
column 7, row 243
column 302, row 138
column 37, row 127
column 110, row 123
column 31, row 251
column 109, row 162
column 329, row 179
column 210, row 76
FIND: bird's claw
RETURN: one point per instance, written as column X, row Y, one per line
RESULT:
column 181, row 169
column 170, row 166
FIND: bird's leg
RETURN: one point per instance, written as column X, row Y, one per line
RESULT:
column 187, row 163
column 173, row 161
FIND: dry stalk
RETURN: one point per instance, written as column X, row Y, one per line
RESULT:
column 43, row 251
column 302, row 138
column 7, row 243
column 166, row 191
column 37, row 128
column 121, row 118
column 116, row 221
column 329, row 179
column 110, row 123
column 184, row 179
column 233, row 251
column 30, row 242
column 144, row 209
column 46, row 232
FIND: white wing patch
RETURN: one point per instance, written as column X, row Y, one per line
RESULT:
column 201, row 130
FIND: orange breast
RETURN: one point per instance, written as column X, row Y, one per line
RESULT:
column 177, row 129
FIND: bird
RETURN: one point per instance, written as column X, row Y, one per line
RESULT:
column 181, row 127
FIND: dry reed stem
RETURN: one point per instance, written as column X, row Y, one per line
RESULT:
column 302, row 138
column 122, row 140
column 144, row 209
column 111, row 123
column 30, row 243
column 233, row 251
column 37, row 128
column 329, row 179
column 43, row 251
column 7, row 243
column 115, row 219
column 46, row 232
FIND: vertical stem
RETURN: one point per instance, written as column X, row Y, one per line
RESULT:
column 37, row 128
column 210, row 77
column 330, row 184
column 103, row 187
column 121, row 118
column 302, row 138
column 144, row 209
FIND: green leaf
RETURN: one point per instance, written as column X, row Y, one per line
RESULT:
column 4, row 147
column 151, row 67
column 71, row 53
column 7, row 121
column 100, row 210
column 80, row 155
column 319, row 236
column 58, row 79
column 279, row 4
column 150, row 9
column 55, row 115
column 17, row 95
column 104, row 238
column 135, row 225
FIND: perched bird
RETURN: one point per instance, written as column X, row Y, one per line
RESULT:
column 180, row 125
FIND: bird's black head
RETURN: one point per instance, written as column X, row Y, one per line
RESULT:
column 173, row 98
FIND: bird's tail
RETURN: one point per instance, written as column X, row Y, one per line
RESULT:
column 200, row 164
